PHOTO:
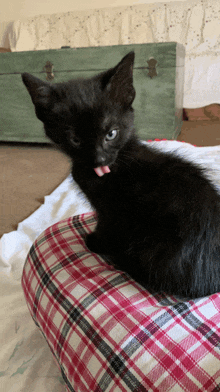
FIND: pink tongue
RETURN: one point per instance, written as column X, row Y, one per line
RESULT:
column 101, row 170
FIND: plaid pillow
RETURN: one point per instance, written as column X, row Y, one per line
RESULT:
column 109, row 334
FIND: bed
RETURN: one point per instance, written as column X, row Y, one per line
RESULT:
column 175, row 342
column 182, row 355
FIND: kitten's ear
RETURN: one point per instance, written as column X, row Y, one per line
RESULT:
column 39, row 90
column 120, row 87
column 42, row 95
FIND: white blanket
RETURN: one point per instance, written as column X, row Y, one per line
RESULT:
column 26, row 363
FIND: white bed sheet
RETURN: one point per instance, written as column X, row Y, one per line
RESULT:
column 26, row 363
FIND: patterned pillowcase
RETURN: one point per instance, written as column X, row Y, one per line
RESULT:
column 109, row 334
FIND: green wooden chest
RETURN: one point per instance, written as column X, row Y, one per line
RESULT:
column 158, row 80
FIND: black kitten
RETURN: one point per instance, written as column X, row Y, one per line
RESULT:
column 158, row 215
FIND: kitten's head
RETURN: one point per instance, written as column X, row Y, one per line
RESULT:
column 89, row 119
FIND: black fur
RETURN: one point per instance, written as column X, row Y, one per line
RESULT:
column 158, row 215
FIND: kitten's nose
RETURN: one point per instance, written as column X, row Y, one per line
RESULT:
column 100, row 160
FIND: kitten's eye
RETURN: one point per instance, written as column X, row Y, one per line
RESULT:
column 111, row 135
column 74, row 140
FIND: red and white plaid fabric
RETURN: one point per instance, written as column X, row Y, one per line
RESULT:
column 109, row 334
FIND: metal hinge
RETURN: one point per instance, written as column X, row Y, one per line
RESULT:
column 48, row 68
column 152, row 67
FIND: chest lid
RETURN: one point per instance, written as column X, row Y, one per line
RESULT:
column 167, row 55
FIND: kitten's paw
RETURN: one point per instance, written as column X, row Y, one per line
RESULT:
column 93, row 243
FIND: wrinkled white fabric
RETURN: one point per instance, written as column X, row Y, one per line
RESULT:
column 26, row 363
